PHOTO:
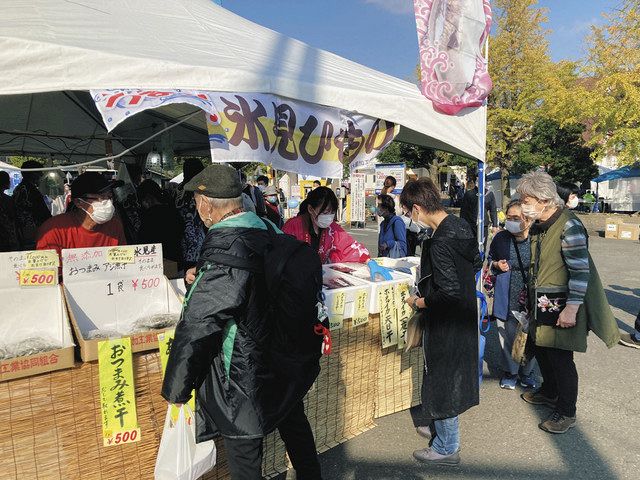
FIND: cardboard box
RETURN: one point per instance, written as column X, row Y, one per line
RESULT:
column 628, row 231
column 611, row 227
column 33, row 308
column 117, row 290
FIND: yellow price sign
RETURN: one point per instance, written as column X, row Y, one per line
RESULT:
column 404, row 312
column 361, row 309
column 388, row 316
column 117, row 392
column 121, row 255
column 37, row 278
column 165, row 341
column 43, row 259
column 336, row 314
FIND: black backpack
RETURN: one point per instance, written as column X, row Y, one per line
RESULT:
column 293, row 277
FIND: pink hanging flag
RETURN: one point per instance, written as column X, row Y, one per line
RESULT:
column 451, row 34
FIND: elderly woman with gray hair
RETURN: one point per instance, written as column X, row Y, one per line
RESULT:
column 566, row 298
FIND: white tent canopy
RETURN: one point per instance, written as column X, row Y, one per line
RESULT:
column 68, row 48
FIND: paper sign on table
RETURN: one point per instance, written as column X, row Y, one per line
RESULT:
column 388, row 316
column 404, row 312
column 117, row 392
column 336, row 313
column 165, row 341
column 124, row 254
column 38, row 278
column 42, row 259
column 361, row 309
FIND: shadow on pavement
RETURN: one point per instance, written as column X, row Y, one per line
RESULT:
column 627, row 303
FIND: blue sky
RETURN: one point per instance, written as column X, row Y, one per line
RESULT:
column 381, row 33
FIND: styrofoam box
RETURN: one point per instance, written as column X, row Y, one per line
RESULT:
column 361, row 272
column 350, row 292
column 411, row 263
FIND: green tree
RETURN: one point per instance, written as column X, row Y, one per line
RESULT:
column 519, row 66
column 560, row 151
column 415, row 157
column 607, row 99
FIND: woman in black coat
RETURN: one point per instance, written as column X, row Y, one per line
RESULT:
column 447, row 297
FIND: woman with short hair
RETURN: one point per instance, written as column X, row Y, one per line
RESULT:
column 392, row 239
column 566, row 298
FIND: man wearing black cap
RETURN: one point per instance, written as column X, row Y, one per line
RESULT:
column 31, row 209
column 89, row 221
column 220, row 347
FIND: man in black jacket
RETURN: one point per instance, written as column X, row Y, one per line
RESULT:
column 469, row 209
column 219, row 348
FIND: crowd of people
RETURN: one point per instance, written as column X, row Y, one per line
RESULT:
column 216, row 226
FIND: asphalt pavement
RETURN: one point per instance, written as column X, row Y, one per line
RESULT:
column 500, row 438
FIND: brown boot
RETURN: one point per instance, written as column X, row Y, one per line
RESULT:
column 558, row 423
column 537, row 398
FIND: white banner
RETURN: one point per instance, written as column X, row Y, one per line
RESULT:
column 358, row 207
column 293, row 136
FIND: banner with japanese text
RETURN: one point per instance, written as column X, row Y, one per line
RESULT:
column 290, row 135
column 117, row 392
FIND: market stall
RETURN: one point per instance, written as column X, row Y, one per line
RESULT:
column 92, row 81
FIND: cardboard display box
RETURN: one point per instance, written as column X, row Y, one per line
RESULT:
column 111, row 289
column 612, row 225
column 34, row 309
column 628, row 231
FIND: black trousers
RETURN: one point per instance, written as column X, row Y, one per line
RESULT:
column 245, row 455
column 560, row 378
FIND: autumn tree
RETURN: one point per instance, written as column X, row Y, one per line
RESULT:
column 519, row 66
column 607, row 98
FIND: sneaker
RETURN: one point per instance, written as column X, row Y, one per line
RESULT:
column 536, row 398
column 424, row 432
column 629, row 340
column 427, row 455
column 558, row 423
column 508, row 382
column 529, row 381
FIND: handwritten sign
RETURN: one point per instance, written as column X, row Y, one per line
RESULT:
column 42, row 259
column 361, row 309
column 38, row 278
column 388, row 316
column 117, row 393
column 165, row 341
column 121, row 255
column 336, row 313
column 404, row 312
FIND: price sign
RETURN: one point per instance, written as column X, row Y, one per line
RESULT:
column 388, row 316
column 117, row 392
column 404, row 312
column 361, row 309
column 37, row 278
column 336, row 314
column 165, row 341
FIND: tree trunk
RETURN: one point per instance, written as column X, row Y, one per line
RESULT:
column 505, row 186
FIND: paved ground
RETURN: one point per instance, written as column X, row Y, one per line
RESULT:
column 500, row 438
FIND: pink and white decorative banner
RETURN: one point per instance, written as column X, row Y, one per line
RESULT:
column 451, row 34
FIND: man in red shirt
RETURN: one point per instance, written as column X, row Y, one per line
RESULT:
column 89, row 220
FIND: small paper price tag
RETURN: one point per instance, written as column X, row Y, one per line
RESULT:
column 336, row 314
column 361, row 310
column 121, row 255
column 37, row 278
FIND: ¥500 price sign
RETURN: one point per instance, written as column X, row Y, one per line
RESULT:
column 37, row 278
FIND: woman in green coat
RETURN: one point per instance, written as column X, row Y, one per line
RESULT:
column 566, row 298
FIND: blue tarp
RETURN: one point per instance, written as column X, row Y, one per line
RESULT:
column 624, row 172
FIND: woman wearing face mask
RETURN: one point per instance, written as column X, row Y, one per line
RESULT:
column 509, row 258
column 88, row 222
column 569, row 193
column 392, row 239
column 315, row 224
column 273, row 211
column 566, row 299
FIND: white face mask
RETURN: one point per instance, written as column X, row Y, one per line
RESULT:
column 573, row 202
column 530, row 211
column 325, row 220
column 262, row 188
column 513, row 226
column 103, row 211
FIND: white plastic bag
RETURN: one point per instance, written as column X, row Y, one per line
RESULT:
column 179, row 456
